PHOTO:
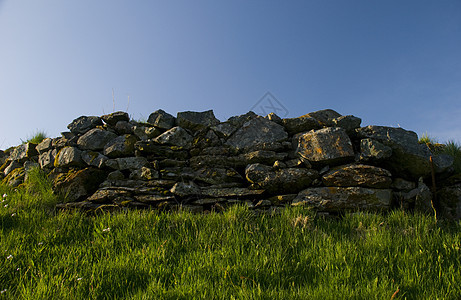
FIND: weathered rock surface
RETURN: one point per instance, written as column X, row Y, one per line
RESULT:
column 95, row 139
column 194, row 121
column 257, row 131
column 84, row 123
column 120, row 146
column 115, row 117
column 290, row 180
column 336, row 199
column 176, row 136
column 69, row 157
column 326, row 146
column 161, row 119
column 358, row 175
column 408, row 156
column 196, row 163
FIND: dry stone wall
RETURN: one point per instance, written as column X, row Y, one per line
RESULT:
column 322, row 159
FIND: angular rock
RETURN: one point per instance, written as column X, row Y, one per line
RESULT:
column 257, row 131
column 274, row 118
column 12, row 165
column 23, row 152
column 161, row 151
column 449, row 202
column 106, row 195
column 77, row 185
column 408, row 156
column 69, row 157
column 44, row 146
column 290, row 180
column 161, row 119
column 418, row 199
column 325, row 146
column 144, row 174
column 120, row 146
column 176, row 136
column 324, row 116
column 358, row 175
column 216, row 175
column 95, row 139
column 46, row 159
column 336, row 199
column 123, row 127
column 127, row 163
column 145, row 133
column 155, row 199
column 183, row 189
column 225, row 129
column 349, row 123
column 261, row 156
column 113, row 118
column 196, row 120
column 83, row 124
column 93, row 158
column 115, row 175
column 443, row 163
column 15, row 177
column 402, row 184
column 300, row 124
column 372, row 150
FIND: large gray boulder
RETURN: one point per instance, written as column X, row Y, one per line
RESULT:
column 44, row 145
column 408, row 156
column 23, row 152
column 120, row 146
column 358, row 175
column 257, row 130
column 281, row 181
column 69, row 157
column 127, row 163
column 176, row 136
column 325, row 146
column 194, row 121
column 95, row 139
column 83, row 124
column 337, row 199
column 161, row 119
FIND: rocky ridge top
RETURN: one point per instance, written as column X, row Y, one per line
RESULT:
column 322, row 159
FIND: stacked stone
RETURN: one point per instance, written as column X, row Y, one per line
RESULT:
column 323, row 160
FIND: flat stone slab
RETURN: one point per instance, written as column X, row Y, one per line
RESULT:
column 335, row 199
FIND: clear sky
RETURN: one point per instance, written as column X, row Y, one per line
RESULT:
column 392, row 63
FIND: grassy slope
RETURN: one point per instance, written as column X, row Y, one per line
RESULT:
column 152, row 255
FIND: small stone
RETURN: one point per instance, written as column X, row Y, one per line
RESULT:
column 46, row 159
column 93, row 158
column 120, row 146
column 183, row 189
column 176, row 136
column 44, row 146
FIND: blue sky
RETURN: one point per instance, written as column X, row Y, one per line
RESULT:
column 392, row 63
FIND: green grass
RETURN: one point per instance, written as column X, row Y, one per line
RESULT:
column 36, row 138
column 46, row 254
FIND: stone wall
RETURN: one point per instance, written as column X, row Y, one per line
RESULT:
column 322, row 159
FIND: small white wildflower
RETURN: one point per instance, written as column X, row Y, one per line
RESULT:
column 13, row 214
column 5, row 195
column 40, row 243
column 106, row 229
column 6, row 205
column 9, row 257
column 18, row 269
column 80, row 278
column 2, row 291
